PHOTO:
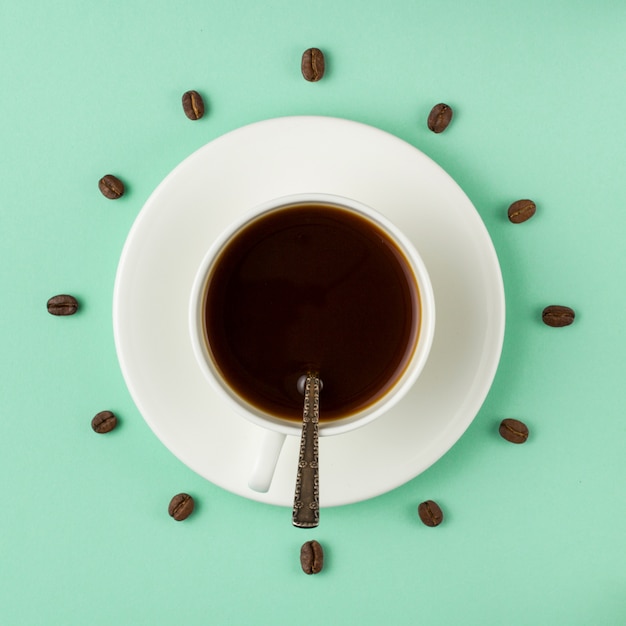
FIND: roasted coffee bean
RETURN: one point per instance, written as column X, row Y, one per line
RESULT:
column 557, row 316
column 430, row 513
column 514, row 430
column 62, row 305
column 181, row 506
column 111, row 187
column 311, row 557
column 439, row 117
column 313, row 64
column 104, row 422
column 521, row 210
column 193, row 105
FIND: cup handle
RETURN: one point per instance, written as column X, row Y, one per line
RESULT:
column 265, row 464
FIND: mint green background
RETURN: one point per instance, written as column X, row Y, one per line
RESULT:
column 533, row 534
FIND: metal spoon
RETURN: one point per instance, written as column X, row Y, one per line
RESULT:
column 306, row 502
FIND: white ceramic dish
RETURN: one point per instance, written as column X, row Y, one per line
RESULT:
column 279, row 157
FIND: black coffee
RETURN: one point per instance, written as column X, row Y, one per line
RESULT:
column 311, row 286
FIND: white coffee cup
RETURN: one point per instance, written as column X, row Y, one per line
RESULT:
column 277, row 428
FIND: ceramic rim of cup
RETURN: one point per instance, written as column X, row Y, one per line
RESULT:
column 391, row 396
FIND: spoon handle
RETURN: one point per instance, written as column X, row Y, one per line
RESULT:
column 306, row 505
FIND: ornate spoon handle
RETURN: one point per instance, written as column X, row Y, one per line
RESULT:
column 306, row 504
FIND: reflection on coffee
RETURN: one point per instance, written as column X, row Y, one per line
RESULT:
column 311, row 286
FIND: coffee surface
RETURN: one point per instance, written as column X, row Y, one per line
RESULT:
column 311, row 286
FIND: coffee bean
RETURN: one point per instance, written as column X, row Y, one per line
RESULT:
column 181, row 506
column 558, row 316
column 430, row 513
column 104, row 422
column 439, row 117
column 313, row 64
column 111, row 187
column 513, row 430
column 62, row 305
column 311, row 557
column 521, row 210
column 193, row 105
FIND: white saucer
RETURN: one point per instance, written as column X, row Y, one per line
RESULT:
column 286, row 156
